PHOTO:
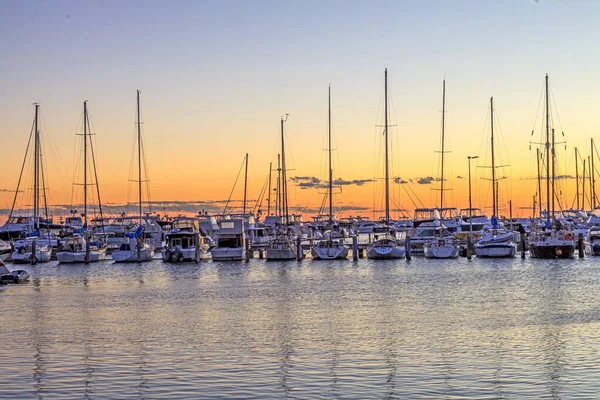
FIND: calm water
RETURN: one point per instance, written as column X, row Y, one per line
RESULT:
column 424, row 329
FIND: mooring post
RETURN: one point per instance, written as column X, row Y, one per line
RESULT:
column 580, row 244
column 354, row 248
column 33, row 247
column 469, row 247
column 299, row 254
column 261, row 254
column 247, row 248
column 87, row 249
column 407, row 248
column 523, row 245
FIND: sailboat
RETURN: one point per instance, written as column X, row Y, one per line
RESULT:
column 26, row 251
column 386, row 246
column 553, row 240
column 496, row 242
column 79, row 248
column 136, row 250
column 331, row 245
column 283, row 246
column 445, row 245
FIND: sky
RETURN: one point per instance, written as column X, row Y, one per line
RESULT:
column 217, row 76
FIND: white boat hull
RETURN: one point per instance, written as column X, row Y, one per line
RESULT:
column 503, row 250
column 146, row 254
column 79, row 256
column 41, row 255
column 184, row 255
column 329, row 253
column 386, row 252
column 228, row 254
column 441, row 251
column 280, row 254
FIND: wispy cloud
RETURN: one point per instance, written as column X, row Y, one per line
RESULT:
column 312, row 182
column 400, row 181
column 459, row 177
column 557, row 177
column 427, row 180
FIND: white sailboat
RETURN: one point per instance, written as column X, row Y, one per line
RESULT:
column 79, row 249
column 136, row 250
column 386, row 246
column 495, row 242
column 553, row 240
column 282, row 247
column 445, row 245
column 33, row 249
column 331, row 245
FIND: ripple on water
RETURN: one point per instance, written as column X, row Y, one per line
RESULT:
column 449, row 329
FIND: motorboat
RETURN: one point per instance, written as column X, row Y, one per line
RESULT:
column 15, row 276
column 184, row 242
column 594, row 241
column 231, row 243
column 281, row 248
column 386, row 247
column 496, row 243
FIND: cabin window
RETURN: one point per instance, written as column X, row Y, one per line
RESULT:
column 227, row 224
column 230, row 242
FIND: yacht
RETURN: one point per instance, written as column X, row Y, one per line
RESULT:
column 16, row 227
column 184, row 242
column 594, row 241
column 231, row 244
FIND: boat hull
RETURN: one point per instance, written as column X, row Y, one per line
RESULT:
column 496, row 250
column 41, row 255
column 443, row 251
column 228, row 254
column 79, row 256
column 146, row 254
column 183, row 255
column 551, row 251
column 386, row 252
column 329, row 253
column 280, row 254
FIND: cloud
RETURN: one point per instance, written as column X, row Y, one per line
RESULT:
column 426, row 180
column 400, row 180
column 557, row 177
column 311, row 182
column 459, row 177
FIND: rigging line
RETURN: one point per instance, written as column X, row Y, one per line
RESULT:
column 261, row 194
column 147, row 178
column 22, row 168
column 234, row 184
column 96, row 179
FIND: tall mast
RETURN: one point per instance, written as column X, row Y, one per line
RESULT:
column 539, row 178
column 593, row 175
column 494, row 202
column 85, row 118
column 269, row 196
column 139, row 138
column 547, row 154
column 283, row 176
column 36, row 171
column 590, row 173
column 245, row 184
column 583, row 187
column 443, row 131
column 330, row 168
column 387, row 174
column 577, row 178
column 278, row 204
column 553, row 175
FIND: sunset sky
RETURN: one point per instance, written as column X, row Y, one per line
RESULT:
column 217, row 76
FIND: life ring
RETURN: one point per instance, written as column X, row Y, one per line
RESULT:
column 568, row 236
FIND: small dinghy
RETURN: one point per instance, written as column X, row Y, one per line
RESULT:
column 16, row 276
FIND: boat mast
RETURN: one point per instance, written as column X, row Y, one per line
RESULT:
column 547, row 154
column 576, row 178
column 269, row 196
column 85, row 163
column 139, row 138
column 330, row 169
column 539, row 179
column 245, row 185
column 553, row 175
column 592, row 175
column 443, row 131
column 278, row 204
column 591, row 172
column 494, row 193
column 583, row 186
column 36, row 172
column 387, row 175
column 283, row 176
